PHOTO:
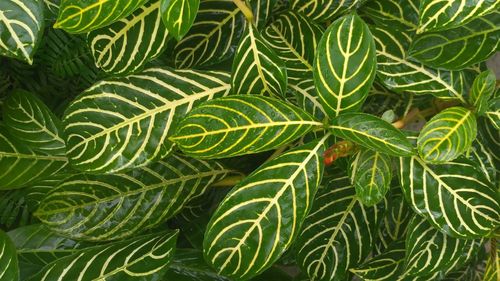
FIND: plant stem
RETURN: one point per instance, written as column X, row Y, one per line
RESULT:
column 244, row 9
column 229, row 181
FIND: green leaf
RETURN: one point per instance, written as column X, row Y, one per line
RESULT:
column 455, row 197
column 398, row 14
column 100, row 139
column 145, row 257
column 76, row 16
column 440, row 15
column 121, row 205
column 320, row 10
column 484, row 159
column 179, row 15
column 21, row 28
column 460, row 47
column 490, row 138
column 256, row 67
column 20, row 166
column 493, row 112
column 482, row 89
column 447, row 135
column 492, row 270
column 345, row 65
column 259, row 219
column 30, row 121
column 371, row 176
column 250, row 124
column 188, row 265
column 128, row 44
column 371, row 132
column 51, row 9
column 9, row 267
column 214, row 35
column 262, row 11
column 338, row 234
column 14, row 210
column 386, row 266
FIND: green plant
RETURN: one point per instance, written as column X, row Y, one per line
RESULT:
column 249, row 140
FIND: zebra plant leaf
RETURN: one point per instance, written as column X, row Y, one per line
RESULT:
column 213, row 38
column 345, row 65
column 371, row 132
column 259, row 219
column 21, row 28
column 128, row 44
column 262, row 11
column 188, row 265
column 323, row 10
column 398, row 14
column 76, row 16
column 145, row 257
column 178, row 16
column 493, row 112
column 386, row 266
column 459, row 47
column 455, row 197
column 441, row 15
column 99, row 139
column 338, row 234
column 447, row 135
column 484, row 159
column 492, row 270
column 9, row 266
column 121, row 205
column 251, row 124
column 256, row 67
column 30, row 121
column 482, row 89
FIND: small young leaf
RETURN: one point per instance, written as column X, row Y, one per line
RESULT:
column 179, row 15
column 9, row 266
column 482, row 90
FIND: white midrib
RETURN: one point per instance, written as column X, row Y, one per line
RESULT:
column 14, row 36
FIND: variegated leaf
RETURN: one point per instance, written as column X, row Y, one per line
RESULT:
column 259, row 219
column 188, row 265
column 179, row 15
column 21, row 28
column 9, row 266
column 307, row 98
column 386, row 266
column 398, row 14
column 482, row 89
column 324, row 10
column 51, row 9
column 490, row 138
column 492, row 270
column 128, row 44
column 100, row 139
column 484, row 159
column 493, row 112
column 262, row 11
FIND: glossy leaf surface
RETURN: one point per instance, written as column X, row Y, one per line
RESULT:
column 179, row 15
column 323, row 10
column 383, row 267
column 9, row 266
column 397, row 14
column 482, row 90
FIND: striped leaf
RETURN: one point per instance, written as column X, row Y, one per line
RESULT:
column 143, row 258
column 262, row 11
column 9, row 267
column 455, row 197
column 338, row 234
column 51, row 9
column 76, row 16
column 178, row 15
column 493, row 112
column 402, row 74
column 324, row 10
column 121, row 205
column 213, row 38
column 399, row 14
column 386, row 266
column 371, row 132
column 345, row 65
column 440, row 15
column 21, row 28
column 20, row 166
column 371, row 176
column 484, row 159
column 30, row 121
column 307, row 98
column 188, row 265
column 492, row 270
column 259, row 219
column 460, row 47
column 256, row 67
column 250, row 124
column 128, row 44
column 482, row 89
column 447, row 135
column 490, row 138
column 101, row 139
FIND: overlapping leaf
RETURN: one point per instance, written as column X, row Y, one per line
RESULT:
column 455, row 197
column 386, row 266
column 101, row 139
column 51, row 9
column 259, row 219
column 484, row 159
column 120, row 205
column 241, row 124
column 490, row 138
column 128, row 44
column 188, row 265
column 492, row 270
column 482, row 90
column 493, row 112
column 21, row 28
column 323, row 10
column 345, row 65
column 179, row 15
column 76, row 16
column 262, row 11
column 399, row 14
column 9, row 267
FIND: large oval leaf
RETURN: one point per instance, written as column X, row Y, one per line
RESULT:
column 345, row 65
column 371, row 132
column 128, row 44
column 323, row 10
column 121, row 205
column 250, row 124
column 455, row 197
column 398, row 14
column 259, row 219
column 9, row 266
column 76, row 16
column 100, row 139
column 179, row 15
column 482, row 89
column 21, row 28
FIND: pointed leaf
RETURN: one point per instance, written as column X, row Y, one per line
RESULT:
column 179, row 15
column 482, row 89
column 321, row 10
column 383, row 267
column 9, row 267
column 398, row 14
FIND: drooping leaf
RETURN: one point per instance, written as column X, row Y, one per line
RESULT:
column 121, row 205
column 146, row 257
column 9, row 266
column 386, row 266
column 398, row 14
column 493, row 112
column 345, row 65
column 76, row 16
column 371, row 132
column 128, row 44
column 324, row 10
column 256, row 67
column 482, row 90
column 100, row 139
column 21, row 28
column 460, row 47
column 178, row 16
column 260, row 218
column 249, row 124
column 447, row 135
column 455, row 197
column 188, row 265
